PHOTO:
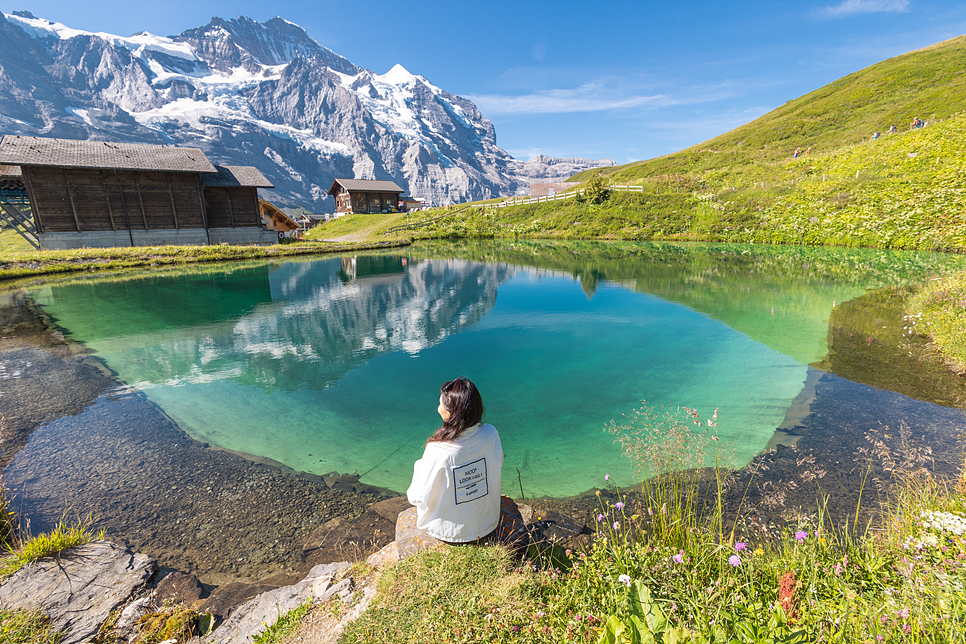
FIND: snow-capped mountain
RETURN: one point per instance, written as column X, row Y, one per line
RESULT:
column 261, row 94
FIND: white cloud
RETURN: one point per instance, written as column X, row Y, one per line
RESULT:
column 591, row 97
column 851, row 7
column 539, row 51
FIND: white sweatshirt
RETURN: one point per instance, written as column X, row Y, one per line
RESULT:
column 456, row 486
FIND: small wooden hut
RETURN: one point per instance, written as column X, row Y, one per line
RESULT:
column 102, row 194
column 365, row 196
column 276, row 220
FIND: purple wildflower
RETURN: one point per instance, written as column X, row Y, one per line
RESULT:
column 619, row 505
column 734, row 560
column 678, row 558
column 741, row 545
column 606, row 477
column 617, row 524
column 600, row 517
column 801, row 535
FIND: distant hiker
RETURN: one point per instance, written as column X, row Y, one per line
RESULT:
column 875, row 135
column 892, row 129
column 807, row 151
column 456, row 484
column 798, row 152
column 917, row 123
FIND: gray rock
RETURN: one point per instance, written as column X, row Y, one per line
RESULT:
column 132, row 613
column 252, row 618
column 409, row 538
column 228, row 597
column 79, row 588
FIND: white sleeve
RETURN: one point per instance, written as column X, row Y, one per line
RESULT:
column 426, row 472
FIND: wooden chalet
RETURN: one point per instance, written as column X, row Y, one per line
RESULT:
column 365, row 196
column 276, row 220
column 103, row 194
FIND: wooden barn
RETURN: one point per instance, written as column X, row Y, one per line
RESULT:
column 364, row 196
column 102, row 194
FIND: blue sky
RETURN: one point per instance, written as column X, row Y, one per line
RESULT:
column 619, row 80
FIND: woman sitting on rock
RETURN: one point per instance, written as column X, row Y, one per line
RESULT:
column 456, row 484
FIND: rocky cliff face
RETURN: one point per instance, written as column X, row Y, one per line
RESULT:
column 261, row 94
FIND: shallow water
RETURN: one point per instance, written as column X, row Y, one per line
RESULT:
column 334, row 364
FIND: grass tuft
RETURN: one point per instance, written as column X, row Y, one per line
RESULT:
column 63, row 537
column 27, row 627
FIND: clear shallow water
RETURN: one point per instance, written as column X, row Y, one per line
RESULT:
column 335, row 364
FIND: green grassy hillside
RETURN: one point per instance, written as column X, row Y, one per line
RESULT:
column 929, row 83
column 904, row 190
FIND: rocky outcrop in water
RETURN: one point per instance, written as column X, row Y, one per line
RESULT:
column 261, row 94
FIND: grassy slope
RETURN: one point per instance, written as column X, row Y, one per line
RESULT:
column 928, row 83
column 905, row 190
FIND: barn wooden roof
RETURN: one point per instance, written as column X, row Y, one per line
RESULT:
column 235, row 176
column 364, row 185
column 10, row 171
column 67, row 153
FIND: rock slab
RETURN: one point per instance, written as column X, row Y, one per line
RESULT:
column 79, row 588
column 252, row 618
column 409, row 538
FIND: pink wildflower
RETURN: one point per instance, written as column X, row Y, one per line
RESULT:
column 678, row 558
column 734, row 560
column 741, row 545
column 801, row 535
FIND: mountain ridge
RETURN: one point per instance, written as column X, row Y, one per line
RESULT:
column 262, row 94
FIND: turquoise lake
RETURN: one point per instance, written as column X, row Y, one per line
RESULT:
column 335, row 363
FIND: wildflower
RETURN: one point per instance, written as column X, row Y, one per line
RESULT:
column 904, row 613
column 598, row 492
column 619, row 505
column 759, row 551
column 600, row 517
column 741, row 545
column 568, row 552
column 679, row 557
column 617, row 524
column 606, row 477
column 734, row 560
column 801, row 535
column 624, row 579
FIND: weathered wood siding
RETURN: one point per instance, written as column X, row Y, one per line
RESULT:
column 232, row 207
column 79, row 200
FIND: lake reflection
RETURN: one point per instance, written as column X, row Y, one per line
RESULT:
column 335, row 364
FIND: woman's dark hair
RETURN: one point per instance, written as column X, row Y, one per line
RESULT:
column 465, row 406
